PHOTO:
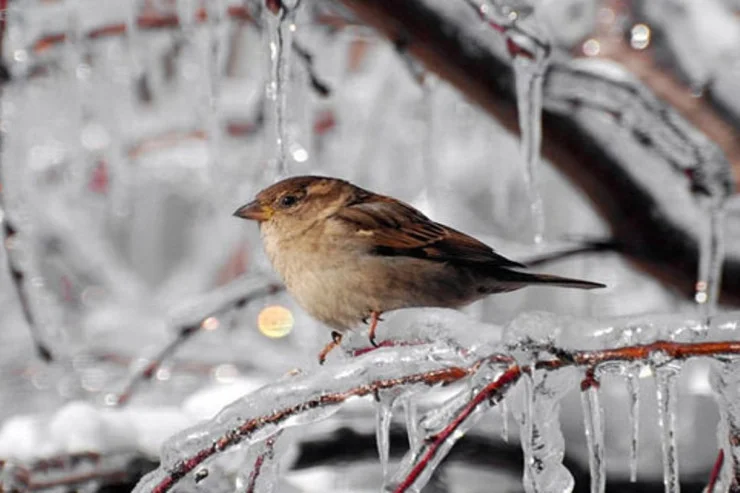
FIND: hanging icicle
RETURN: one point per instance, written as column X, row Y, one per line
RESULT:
column 633, row 390
column 529, row 70
column 593, row 421
column 279, row 18
column 666, row 391
column 711, row 257
column 383, row 418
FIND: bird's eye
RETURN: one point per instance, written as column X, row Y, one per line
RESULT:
column 288, row 200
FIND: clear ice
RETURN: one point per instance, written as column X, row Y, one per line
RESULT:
column 280, row 27
column 666, row 392
column 593, row 423
column 530, row 75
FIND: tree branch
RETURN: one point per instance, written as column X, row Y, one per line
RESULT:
column 642, row 219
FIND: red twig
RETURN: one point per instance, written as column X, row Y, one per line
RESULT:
column 716, row 470
column 268, row 454
column 150, row 20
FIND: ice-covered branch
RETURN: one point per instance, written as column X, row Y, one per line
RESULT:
column 302, row 400
column 629, row 151
column 541, row 349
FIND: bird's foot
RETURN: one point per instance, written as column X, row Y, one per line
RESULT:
column 374, row 319
column 336, row 340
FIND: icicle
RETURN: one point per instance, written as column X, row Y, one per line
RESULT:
column 504, row 409
column 666, row 391
column 411, row 414
column 526, row 427
column 383, row 418
column 593, row 422
column 280, row 28
column 529, row 79
column 214, row 59
column 725, row 380
column 711, row 257
column 633, row 389
column 542, row 440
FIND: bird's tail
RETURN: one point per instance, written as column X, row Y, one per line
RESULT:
column 524, row 278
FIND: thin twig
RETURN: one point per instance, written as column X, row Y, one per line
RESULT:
column 716, row 470
column 184, row 333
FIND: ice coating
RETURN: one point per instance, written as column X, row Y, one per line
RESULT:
column 666, row 393
column 711, row 256
column 383, row 419
column 411, row 415
column 543, row 443
column 298, row 401
column 468, row 406
column 725, row 380
column 593, row 424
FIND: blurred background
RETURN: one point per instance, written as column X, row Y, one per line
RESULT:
column 131, row 130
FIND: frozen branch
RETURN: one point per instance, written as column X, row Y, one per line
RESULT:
column 309, row 398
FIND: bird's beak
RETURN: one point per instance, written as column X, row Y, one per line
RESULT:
column 254, row 211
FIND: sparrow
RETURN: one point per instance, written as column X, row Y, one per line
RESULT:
column 348, row 255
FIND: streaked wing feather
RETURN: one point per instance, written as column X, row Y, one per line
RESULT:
column 399, row 229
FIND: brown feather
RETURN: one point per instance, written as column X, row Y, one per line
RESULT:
column 397, row 229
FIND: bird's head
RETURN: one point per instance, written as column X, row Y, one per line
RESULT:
column 297, row 202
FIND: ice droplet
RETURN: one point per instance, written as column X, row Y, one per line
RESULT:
column 280, row 29
column 633, row 389
column 593, row 423
column 529, row 79
column 666, row 392
column 383, row 418
column 711, row 257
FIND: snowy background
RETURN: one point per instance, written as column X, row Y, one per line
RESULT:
column 131, row 130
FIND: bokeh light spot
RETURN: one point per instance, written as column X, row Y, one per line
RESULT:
column 275, row 321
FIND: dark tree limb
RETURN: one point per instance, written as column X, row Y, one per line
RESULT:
column 660, row 245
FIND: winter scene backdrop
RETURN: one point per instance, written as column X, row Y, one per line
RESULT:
column 147, row 344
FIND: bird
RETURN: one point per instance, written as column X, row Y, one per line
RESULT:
column 348, row 255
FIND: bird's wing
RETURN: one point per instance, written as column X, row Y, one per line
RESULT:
column 397, row 229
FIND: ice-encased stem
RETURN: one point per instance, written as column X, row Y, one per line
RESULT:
column 593, row 423
column 711, row 257
column 383, row 418
column 633, row 390
column 666, row 392
column 260, row 469
column 280, row 28
column 529, row 75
